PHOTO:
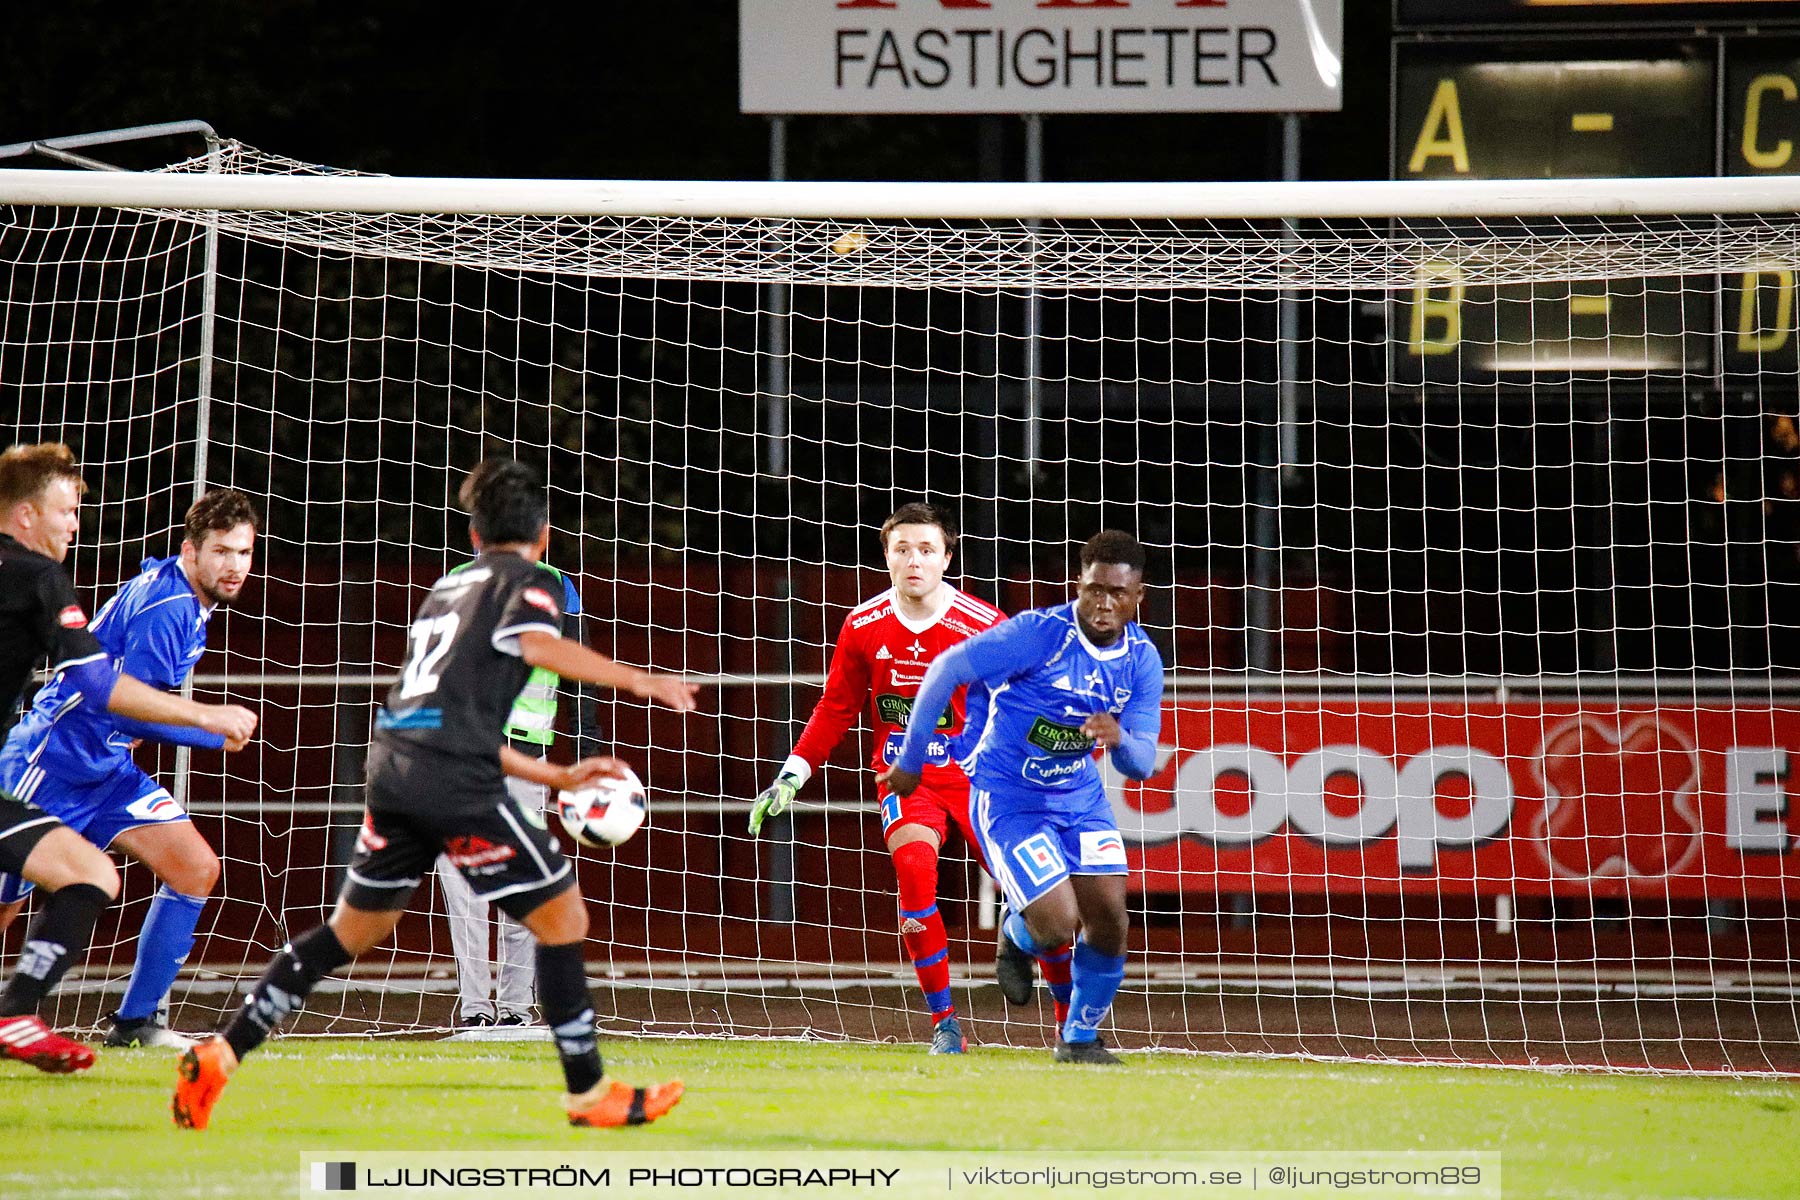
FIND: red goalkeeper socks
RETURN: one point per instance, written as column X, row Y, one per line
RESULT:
column 1054, row 964
column 921, row 928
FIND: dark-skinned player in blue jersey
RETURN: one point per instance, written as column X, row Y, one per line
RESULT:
column 1062, row 681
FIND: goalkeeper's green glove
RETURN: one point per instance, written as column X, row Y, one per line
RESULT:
column 774, row 800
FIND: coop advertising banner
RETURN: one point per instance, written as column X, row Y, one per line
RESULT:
column 1043, row 56
column 1529, row 799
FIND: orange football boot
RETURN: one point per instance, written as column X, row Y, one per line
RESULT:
column 615, row 1103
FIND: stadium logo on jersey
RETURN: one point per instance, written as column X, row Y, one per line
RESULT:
column 870, row 617
column 883, row 654
column 1618, row 799
column 539, row 598
column 72, row 617
column 157, row 806
column 1041, row 861
column 1102, row 848
column 475, row 851
column 1060, row 740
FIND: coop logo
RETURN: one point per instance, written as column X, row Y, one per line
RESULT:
column 334, row 1177
column 1399, row 800
column 1619, row 799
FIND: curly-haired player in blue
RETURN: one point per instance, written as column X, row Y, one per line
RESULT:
column 1062, row 681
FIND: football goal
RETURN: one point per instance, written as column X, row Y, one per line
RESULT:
column 1473, row 512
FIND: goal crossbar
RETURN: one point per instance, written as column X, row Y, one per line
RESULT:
column 1375, row 199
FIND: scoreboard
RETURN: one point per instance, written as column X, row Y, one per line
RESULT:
column 1531, row 101
column 1420, row 14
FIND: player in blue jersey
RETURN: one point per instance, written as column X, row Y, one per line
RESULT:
column 40, row 498
column 1062, row 681
column 76, row 764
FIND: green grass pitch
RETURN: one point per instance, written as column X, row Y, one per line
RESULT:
column 107, row 1133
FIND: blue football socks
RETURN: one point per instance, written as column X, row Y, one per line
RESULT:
column 1019, row 935
column 1096, row 979
column 163, row 945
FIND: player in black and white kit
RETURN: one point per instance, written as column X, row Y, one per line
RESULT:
column 436, row 785
column 40, row 617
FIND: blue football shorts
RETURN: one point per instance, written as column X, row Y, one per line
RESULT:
column 99, row 811
column 1031, row 847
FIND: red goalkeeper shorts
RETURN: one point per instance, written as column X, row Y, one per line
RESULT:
column 935, row 804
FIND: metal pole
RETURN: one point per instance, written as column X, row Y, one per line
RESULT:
column 1289, row 320
column 209, row 312
column 112, row 137
column 1034, row 401
column 1276, row 455
column 781, row 829
column 979, row 551
column 778, row 395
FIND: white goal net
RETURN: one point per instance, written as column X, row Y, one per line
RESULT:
column 1472, row 519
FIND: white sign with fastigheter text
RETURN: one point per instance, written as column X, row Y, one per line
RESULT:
column 1040, row 56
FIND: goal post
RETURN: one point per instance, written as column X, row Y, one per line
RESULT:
column 1472, row 511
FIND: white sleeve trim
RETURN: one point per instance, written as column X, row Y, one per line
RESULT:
column 506, row 641
column 797, row 766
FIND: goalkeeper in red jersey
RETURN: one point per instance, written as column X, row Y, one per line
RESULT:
column 882, row 653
